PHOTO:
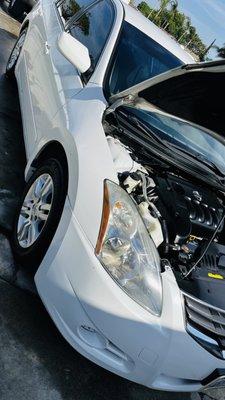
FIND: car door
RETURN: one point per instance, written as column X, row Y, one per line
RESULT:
column 25, row 73
column 52, row 79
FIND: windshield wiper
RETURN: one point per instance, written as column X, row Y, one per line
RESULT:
column 201, row 158
column 147, row 130
column 198, row 157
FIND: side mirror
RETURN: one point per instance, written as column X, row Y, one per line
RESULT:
column 74, row 51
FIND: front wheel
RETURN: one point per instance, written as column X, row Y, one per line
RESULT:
column 13, row 58
column 39, row 214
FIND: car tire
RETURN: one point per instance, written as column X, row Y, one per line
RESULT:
column 39, row 214
column 15, row 53
column 16, row 8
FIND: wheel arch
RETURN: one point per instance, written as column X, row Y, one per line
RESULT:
column 25, row 25
column 50, row 149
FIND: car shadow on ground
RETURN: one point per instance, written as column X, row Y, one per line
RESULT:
column 35, row 361
column 12, row 155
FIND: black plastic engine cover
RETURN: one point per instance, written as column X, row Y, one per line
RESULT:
column 188, row 210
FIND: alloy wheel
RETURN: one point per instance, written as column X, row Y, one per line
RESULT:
column 35, row 210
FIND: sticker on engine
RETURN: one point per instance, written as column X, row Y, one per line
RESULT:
column 215, row 276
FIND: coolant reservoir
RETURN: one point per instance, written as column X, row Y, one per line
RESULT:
column 121, row 157
column 152, row 224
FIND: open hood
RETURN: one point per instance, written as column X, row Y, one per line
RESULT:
column 194, row 92
column 204, row 67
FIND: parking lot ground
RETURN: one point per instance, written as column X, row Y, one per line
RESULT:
column 35, row 361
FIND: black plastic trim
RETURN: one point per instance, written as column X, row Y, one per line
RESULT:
column 203, row 65
column 216, row 374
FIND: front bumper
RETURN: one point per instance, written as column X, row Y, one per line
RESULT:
column 101, row 322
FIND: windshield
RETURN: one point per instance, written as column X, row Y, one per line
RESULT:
column 186, row 136
column 137, row 58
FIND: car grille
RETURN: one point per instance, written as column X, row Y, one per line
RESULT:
column 205, row 317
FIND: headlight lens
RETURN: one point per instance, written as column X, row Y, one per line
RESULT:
column 126, row 250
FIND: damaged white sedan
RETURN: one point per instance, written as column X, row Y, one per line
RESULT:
column 122, row 218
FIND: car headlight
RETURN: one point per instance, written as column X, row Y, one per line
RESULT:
column 126, row 250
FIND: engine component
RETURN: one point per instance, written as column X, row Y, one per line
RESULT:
column 141, row 186
column 185, row 213
column 208, row 278
column 186, row 253
column 183, row 218
column 214, row 260
column 121, row 157
column 153, row 225
column 131, row 182
column 134, row 176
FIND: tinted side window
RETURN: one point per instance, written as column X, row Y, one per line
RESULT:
column 68, row 8
column 93, row 28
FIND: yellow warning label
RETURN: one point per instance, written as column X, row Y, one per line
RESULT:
column 215, row 276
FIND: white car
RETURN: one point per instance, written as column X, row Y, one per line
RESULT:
column 122, row 218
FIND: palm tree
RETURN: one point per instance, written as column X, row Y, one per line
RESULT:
column 173, row 10
column 221, row 51
column 164, row 4
column 174, row 5
column 187, row 30
column 162, row 8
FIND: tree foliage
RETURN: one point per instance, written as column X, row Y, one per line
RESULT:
column 176, row 24
column 69, row 9
column 221, row 51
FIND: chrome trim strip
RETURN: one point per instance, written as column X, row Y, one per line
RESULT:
column 203, row 312
column 204, row 339
column 193, row 331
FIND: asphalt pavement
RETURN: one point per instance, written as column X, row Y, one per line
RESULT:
column 35, row 361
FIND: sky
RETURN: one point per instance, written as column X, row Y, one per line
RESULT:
column 208, row 16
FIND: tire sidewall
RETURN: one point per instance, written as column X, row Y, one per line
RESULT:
column 32, row 255
column 10, row 71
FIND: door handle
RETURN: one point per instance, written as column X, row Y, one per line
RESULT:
column 47, row 48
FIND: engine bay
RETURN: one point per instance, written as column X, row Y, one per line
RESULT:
column 184, row 217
